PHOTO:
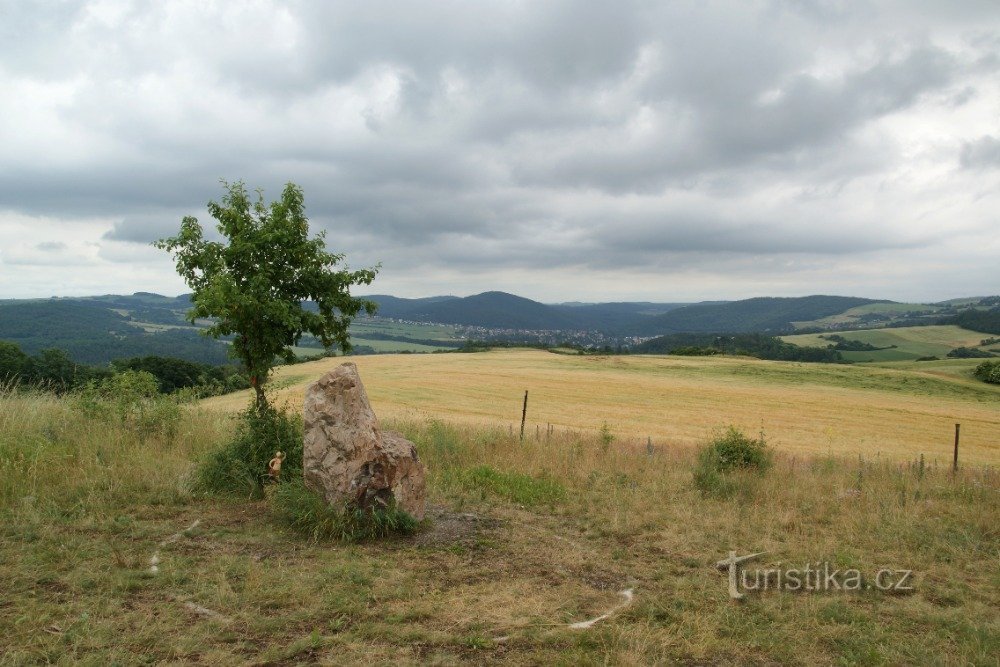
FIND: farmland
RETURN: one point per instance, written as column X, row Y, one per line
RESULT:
column 899, row 413
column 910, row 342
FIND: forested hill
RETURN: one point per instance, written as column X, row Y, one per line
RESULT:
column 501, row 310
column 986, row 321
column 95, row 330
column 98, row 330
column 764, row 314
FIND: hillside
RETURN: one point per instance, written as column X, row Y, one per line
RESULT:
column 501, row 310
column 94, row 331
column 900, row 343
column 763, row 314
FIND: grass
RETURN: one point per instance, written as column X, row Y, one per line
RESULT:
column 896, row 413
column 561, row 523
column 307, row 513
column 911, row 342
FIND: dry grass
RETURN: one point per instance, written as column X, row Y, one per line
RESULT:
column 555, row 527
column 805, row 408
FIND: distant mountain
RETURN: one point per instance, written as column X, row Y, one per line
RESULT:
column 495, row 310
column 506, row 311
column 762, row 314
column 100, row 328
column 399, row 308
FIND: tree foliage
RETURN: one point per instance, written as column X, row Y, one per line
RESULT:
column 253, row 284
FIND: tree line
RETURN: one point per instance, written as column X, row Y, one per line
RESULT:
column 54, row 370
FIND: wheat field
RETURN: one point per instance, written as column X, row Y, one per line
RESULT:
column 802, row 408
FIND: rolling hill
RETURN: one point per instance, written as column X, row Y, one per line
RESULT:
column 97, row 329
column 763, row 314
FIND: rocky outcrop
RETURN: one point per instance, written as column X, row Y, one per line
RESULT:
column 348, row 458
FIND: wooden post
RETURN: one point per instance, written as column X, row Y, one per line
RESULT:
column 649, row 445
column 524, row 413
column 954, row 463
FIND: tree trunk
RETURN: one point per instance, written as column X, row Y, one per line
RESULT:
column 261, row 399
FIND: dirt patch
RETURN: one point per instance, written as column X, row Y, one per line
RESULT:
column 448, row 528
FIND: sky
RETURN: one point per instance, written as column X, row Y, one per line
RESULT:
column 588, row 151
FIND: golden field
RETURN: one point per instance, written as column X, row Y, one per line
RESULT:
column 897, row 414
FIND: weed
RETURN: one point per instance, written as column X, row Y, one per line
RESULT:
column 723, row 464
column 309, row 514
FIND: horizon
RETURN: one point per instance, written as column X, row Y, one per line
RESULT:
column 547, row 303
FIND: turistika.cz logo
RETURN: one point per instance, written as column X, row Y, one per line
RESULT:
column 818, row 577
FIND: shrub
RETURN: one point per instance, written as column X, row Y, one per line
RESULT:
column 606, row 437
column 968, row 353
column 726, row 460
column 133, row 399
column 306, row 512
column 988, row 371
column 241, row 466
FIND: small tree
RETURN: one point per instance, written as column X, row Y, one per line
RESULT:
column 254, row 284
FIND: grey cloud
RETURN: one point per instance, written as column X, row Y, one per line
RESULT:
column 144, row 228
column 983, row 153
column 472, row 134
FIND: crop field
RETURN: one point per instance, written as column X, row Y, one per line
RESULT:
column 892, row 413
column 911, row 342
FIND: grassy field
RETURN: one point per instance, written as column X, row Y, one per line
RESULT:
column 803, row 408
column 911, row 342
column 524, row 540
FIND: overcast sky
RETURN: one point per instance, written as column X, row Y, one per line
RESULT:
column 562, row 151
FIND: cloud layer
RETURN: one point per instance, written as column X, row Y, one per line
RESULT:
column 653, row 151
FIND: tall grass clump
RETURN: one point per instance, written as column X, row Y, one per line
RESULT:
column 240, row 466
column 306, row 512
column 729, row 461
column 102, row 448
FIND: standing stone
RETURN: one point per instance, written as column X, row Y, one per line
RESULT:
column 348, row 458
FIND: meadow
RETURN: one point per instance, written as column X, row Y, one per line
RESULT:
column 524, row 540
column 893, row 413
column 910, row 342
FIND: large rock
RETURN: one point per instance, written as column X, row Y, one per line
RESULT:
column 348, row 457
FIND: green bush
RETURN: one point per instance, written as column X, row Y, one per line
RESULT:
column 306, row 512
column 726, row 461
column 988, row 371
column 969, row 353
column 241, row 466
column 133, row 399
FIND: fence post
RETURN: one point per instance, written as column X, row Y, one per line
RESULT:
column 954, row 463
column 524, row 413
